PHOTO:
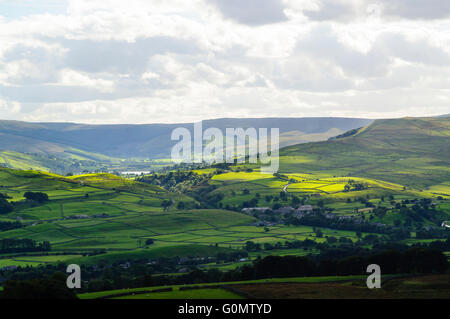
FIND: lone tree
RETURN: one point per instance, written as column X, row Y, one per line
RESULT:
column 36, row 196
column 166, row 204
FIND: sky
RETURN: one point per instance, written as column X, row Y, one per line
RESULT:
column 172, row 61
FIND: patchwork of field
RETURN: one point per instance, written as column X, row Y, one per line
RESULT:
column 199, row 227
column 412, row 152
column 104, row 212
column 238, row 187
column 88, row 212
column 440, row 189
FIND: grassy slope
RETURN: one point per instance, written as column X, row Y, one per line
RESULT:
column 410, row 151
column 134, row 215
column 403, row 157
column 150, row 140
column 128, row 205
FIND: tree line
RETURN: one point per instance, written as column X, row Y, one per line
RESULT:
column 12, row 245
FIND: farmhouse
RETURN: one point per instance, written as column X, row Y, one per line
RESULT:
column 299, row 212
column 305, row 209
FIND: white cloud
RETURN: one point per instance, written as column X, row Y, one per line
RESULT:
column 149, row 75
column 252, row 12
column 175, row 61
column 9, row 107
column 347, row 10
column 73, row 78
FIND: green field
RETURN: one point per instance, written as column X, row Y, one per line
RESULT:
column 132, row 213
column 412, row 152
column 102, row 218
column 116, row 215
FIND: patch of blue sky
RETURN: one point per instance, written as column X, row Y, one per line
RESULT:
column 16, row 9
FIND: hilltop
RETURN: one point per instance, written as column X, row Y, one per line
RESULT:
column 150, row 140
column 408, row 151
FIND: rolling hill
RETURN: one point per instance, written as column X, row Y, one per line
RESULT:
column 103, row 219
column 408, row 151
column 97, row 142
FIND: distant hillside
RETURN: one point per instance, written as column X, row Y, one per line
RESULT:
column 151, row 140
column 408, row 151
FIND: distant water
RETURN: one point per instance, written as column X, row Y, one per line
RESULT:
column 135, row 172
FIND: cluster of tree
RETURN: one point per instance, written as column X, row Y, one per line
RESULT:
column 415, row 260
column 343, row 246
column 354, row 186
column 12, row 245
column 346, row 259
column 319, row 219
column 166, row 204
column 189, row 183
column 10, row 225
column 442, row 245
column 213, row 200
column 305, row 244
column 53, row 287
column 420, row 211
column 5, row 206
column 277, row 201
column 346, row 134
column 432, row 233
column 281, row 176
column 178, row 180
column 36, row 197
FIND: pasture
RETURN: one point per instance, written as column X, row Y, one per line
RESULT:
column 103, row 212
column 238, row 187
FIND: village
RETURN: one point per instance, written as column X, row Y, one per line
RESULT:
column 271, row 217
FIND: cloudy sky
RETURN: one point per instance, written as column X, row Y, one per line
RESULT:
column 141, row 61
